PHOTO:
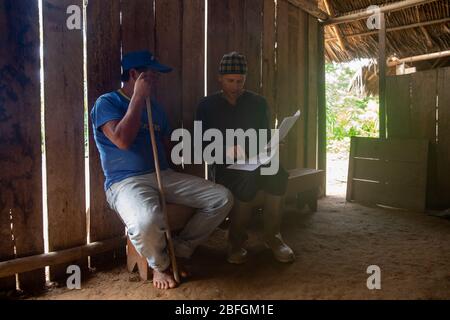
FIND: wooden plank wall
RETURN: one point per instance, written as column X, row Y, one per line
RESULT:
column 138, row 25
column 225, row 34
column 276, row 37
column 286, row 68
column 443, row 143
column 417, row 107
column 20, row 139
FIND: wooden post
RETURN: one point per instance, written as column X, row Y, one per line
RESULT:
column 322, row 107
column 382, row 75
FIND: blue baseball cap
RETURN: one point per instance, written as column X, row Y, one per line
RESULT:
column 142, row 59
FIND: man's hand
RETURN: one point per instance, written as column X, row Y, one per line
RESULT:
column 235, row 153
column 143, row 86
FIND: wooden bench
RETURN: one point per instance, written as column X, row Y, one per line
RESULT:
column 303, row 189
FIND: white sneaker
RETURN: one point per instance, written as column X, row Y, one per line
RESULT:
column 237, row 255
column 281, row 251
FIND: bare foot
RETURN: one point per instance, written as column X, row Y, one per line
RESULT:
column 164, row 280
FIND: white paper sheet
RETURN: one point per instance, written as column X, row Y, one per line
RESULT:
column 255, row 162
column 283, row 128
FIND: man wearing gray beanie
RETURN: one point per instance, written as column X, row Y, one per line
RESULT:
column 236, row 108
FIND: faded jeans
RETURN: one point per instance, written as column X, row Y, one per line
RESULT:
column 136, row 200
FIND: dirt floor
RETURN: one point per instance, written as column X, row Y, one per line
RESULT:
column 334, row 247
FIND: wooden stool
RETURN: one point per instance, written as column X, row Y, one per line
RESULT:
column 303, row 187
column 178, row 217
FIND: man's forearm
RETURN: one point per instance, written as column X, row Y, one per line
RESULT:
column 127, row 129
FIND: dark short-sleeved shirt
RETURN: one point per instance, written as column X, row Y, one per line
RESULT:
column 120, row 164
column 250, row 112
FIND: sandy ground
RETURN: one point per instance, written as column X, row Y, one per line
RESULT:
column 334, row 247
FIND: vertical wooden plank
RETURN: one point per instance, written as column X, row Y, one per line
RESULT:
column 322, row 110
column 64, row 126
column 103, row 75
column 138, row 25
column 20, row 136
column 423, row 105
column 311, row 115
column 443, row 145
column 382, row 75
column 398, row 105
column 351, row 168
column 193, row 67
column 282, row 75
column 169, row 21
column 225, row 25
column 268, row 58
column 293, row 83
column 302, row 51
column 193, row 59
column 7, row 120
column 423, row 123
column 217, row 29
column 253, row 24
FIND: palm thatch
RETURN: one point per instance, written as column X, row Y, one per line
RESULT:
column 360, row 42
column 365, row 82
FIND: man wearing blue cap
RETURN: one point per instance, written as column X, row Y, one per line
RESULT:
column 236, row 108
column 122, row 137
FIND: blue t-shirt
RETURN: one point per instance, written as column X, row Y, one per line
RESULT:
column 120, row 164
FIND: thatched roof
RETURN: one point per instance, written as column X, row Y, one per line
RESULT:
column 434, row 36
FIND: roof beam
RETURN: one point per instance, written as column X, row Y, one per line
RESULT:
column 408, row 26
column 310, row 8
column 421, row 57
column 362, row 14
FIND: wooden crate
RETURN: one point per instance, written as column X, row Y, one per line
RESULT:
column 390, row 172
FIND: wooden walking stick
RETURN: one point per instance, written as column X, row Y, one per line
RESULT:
column 161, row 191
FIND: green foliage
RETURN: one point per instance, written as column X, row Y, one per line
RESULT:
column 347, row 114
